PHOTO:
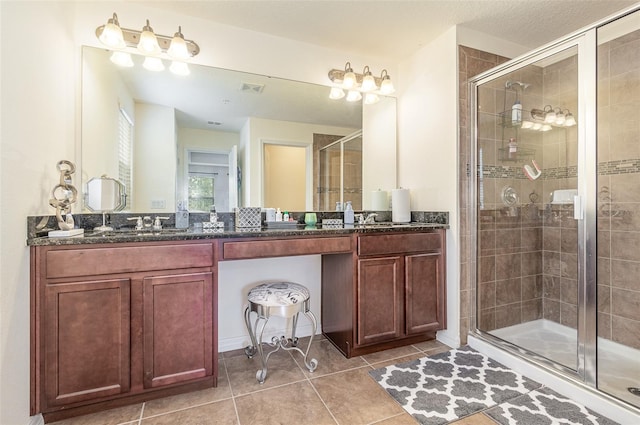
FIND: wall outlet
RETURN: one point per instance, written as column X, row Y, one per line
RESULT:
column 158, row 204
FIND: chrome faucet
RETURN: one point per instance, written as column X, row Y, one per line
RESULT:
column 139, row 225
column 369, row 219
column 157, row 222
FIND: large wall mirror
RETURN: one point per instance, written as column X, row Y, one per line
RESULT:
column 212, row 137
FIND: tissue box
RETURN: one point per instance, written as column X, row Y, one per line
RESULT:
column 248, row 217
column 214, row 225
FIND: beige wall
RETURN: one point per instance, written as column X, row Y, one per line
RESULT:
column 285, row 174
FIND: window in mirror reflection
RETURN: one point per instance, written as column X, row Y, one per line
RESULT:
column 125, row 163
column 208, row 181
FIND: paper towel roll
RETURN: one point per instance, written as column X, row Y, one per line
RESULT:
column 380, row 200
column 400, row 206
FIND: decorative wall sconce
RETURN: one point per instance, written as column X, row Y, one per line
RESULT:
column 152, row 45
column 359, row 84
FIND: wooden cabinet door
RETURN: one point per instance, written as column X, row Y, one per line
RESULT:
column 424, row 293
column 178, row 328
column 379, row 299
column 86, row 332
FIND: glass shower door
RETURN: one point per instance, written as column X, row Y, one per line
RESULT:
column 618, row 208
column 527, row 236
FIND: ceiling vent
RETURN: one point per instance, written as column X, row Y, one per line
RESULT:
column 252, row 88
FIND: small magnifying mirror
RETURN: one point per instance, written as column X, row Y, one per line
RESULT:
column 105, row 194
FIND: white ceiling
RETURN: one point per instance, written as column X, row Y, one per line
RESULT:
column 394, row 29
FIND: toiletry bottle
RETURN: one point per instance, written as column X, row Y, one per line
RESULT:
column 278, row 215
column 348, row 214
column 213, row 216
column 285, row 216
column 516, row 113
column 513, row 149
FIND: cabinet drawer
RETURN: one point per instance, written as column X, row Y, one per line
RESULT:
column 284, row 247
column 399, row 243
column 96, row 261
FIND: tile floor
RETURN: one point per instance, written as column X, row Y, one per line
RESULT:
column 340, row 391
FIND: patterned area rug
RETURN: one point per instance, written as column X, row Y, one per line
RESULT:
column 450, row 385
column 544, row 407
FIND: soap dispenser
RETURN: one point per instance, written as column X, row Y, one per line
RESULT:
column 348, row 213
column 213, row 215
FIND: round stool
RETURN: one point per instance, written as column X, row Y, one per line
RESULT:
column 283, row 299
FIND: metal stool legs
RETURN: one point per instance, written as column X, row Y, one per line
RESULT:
column 256, row 332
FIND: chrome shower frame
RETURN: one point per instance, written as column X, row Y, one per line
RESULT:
column 585, row 42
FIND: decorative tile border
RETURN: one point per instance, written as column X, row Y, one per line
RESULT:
column 625, row 166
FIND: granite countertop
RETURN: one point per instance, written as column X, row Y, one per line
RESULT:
column 39, row 226
column 171, row 234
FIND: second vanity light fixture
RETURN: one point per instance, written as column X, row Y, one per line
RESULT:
column 358, row 85
column 150, row 44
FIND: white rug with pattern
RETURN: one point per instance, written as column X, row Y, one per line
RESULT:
column 448, row 386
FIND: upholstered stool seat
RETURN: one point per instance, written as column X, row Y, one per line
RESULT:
column 282, row 299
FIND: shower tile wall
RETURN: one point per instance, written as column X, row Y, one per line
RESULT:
column 471, row 62
column 619, row 190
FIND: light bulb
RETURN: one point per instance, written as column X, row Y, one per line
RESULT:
column 148, row 43
column 370, row 98
column 178, row 48
column 153, row 64
column 559, row 118
column 353, row 96
column 368, row 82
column 536, row 126
column 546, row 127
column 122, row 59
column 349, row 80
column 549, row 116
column 111, row 34
column 336, row 93
column 569, row 121
column 386, row 86
column 179, row 68
column 527, row 124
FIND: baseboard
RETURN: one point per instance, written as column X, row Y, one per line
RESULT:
column 36, row 420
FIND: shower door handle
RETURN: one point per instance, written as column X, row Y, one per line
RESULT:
column 578, row 213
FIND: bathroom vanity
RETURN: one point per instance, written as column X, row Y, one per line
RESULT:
column 126, row 318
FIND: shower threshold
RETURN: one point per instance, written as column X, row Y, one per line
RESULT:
column 618, row 365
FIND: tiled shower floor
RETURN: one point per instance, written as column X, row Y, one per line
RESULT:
column 618, row 365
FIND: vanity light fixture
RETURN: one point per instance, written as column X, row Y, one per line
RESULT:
column 368, row 82
column 359, row 84
column 122, row 59
column 354, row 96
column 349, row 79
column 153, row 63
column 149, row 43
column 336, row 93
column 549, row 115
column 386, row 86
column 569, row 120
column 370, row 98
column 111, row 34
